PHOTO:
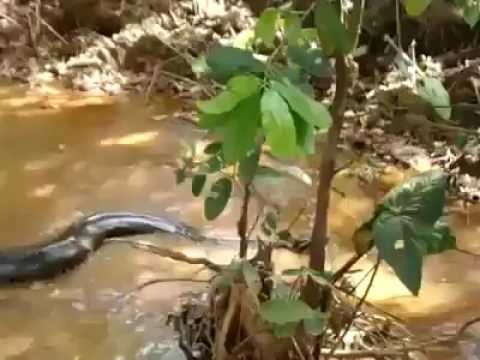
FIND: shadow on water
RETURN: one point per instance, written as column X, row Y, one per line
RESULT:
column 61, row 152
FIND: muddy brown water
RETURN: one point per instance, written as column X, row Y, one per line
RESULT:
column 62, row 152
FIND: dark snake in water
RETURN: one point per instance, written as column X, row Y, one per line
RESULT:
column 72, row 246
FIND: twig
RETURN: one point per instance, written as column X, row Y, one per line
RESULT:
column 9, row 18
column 297, row 348
column 467, row 252
column 357, row 307
column 296, row 218
column 159, row 281
column 172, row 254
column 255, row 222
column 53, row 31
column 152, row 81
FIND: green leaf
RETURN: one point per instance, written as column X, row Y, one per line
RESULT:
column 281, row 290
column 180, row 176
column 271, row 220
column 212, row 165
column 305, row 134
column 317, row 324
column 239, row 133
column 331, row 31
column 321, row 277
column 211, row 121
column 307, row 108
column 311, row 60
column 198, row 182
column 238, row 89
column 406, row 228
column 285, row 330
column 216, row 202
column 278, row 124
column 421, row 198
column 251, row 277
column 249, row 165
column 282, row 311
column 266, row 26
column 396, row 243
column 226, row 62
column 416, row 7
column 432, row 91
column 293, row 27
column 470, row 10
column 440, row 239
column 213, row 148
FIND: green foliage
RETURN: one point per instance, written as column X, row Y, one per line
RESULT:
column 282, row 311
column 333, row 34
column 238, row 88
column 267, row 26
column 432, row 90
column 226, row 62
column 416, row 7
column 312, row 60
column 216, row 202
column 470, row 10
column 407, row 228
column 198, row 183
column 278, row 124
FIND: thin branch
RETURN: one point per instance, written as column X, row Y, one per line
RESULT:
column 171, row 254
column 357, row 308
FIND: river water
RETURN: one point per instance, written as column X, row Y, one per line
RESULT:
column 62, row 152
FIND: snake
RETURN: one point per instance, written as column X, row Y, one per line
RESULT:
column 72, row 246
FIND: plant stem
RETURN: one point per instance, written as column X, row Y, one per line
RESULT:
column 242, row 225
column 326, row 172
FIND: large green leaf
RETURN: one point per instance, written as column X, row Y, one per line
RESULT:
column 309, row 110
column 238, row 89
column 266, row 26
column 331, row 31
column 198, row 182
column 397, row 244
column 226, row 62
column 305, row 134
column 407, row 228
column 432, row 91
column 293, row 27
column 285, row 330
column 211, row 121
column 310, row 60
column 218, row 199
column 440, row 238
column 239, row 133
column 421, row 198
column 282, row 311
column 470, row 10
column 416, row 7
column 278, row 124
column 317, row 324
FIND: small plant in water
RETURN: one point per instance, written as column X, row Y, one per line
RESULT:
column 267, row 102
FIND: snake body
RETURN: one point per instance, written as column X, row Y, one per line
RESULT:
column 72, row 246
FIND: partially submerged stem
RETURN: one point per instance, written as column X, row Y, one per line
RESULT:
column 326, row 172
